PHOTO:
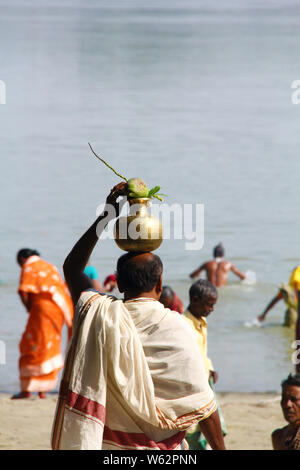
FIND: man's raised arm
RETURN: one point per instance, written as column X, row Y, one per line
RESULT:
column 77, row 259
column 197, row 272
column 237, row 272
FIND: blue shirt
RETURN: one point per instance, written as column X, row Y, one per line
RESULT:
column 91, row 272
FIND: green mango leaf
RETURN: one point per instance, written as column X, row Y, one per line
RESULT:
column 153, row 191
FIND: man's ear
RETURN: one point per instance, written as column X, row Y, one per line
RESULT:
column 120, row 287
column 193, row 300
column 158, row 288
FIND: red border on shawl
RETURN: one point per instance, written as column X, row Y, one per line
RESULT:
column 85, row 405
column 141, row 440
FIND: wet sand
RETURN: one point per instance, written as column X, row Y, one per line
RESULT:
column 250, row 419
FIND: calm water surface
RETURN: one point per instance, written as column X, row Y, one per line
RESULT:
column 194, row 98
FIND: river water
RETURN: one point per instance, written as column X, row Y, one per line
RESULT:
column 195, row 98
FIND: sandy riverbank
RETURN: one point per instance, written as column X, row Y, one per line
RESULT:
column 250, row 419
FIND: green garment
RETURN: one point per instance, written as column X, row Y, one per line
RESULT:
column 196, row 439
column 291, row 314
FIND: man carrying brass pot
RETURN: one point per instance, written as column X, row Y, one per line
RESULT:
column 132, row 378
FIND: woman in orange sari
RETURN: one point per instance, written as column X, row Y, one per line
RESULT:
column 49, row 305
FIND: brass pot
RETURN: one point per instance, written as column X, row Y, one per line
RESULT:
column 138, row 231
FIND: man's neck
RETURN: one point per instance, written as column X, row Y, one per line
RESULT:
column 190, row 309
column 295, row 425
column 147, row 295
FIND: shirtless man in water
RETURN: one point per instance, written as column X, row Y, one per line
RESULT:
column 217, row 270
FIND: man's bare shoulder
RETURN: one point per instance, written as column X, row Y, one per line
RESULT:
column 225, row 265
column 211, row 264
column 278, row 437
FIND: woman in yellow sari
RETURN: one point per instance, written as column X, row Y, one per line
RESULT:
column 49, row 305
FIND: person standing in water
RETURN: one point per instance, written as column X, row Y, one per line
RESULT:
column 295, row 283
column 217, row 269
column 287, row 293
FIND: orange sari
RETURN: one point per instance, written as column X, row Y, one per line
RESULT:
column 50, row 306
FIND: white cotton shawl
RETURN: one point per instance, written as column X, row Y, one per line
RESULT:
column 133, row 371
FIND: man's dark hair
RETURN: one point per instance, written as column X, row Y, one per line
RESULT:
column 219, row 251
column 135, row 276
column 25, row 253
column 203, row 289
column 291, row 380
